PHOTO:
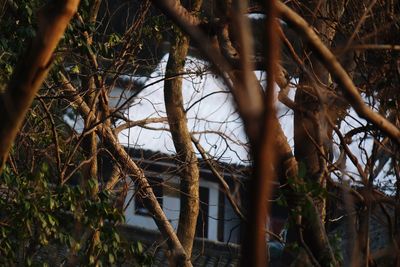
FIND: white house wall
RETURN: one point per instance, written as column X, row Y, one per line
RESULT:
column 211, row 115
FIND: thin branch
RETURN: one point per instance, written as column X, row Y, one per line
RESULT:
column 55, row 138
column 221, row 179
column 353, row 158
column 333, row 66
column 390, row 47
column 143, row 122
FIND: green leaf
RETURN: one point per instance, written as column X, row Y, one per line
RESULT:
column 51, row 203
column 9, row 69
column 91, row 259
column 51, row 220
column 75, row 69
column 139, row 247
column 111, row 258
column 28, row 10
column 116, row 236
column 302, row 170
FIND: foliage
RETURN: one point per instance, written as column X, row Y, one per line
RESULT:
column 336, row 242
column 38, row 219
column 45, row 220
column 16, row 33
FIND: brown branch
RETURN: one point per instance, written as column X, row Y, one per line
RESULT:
column 115, row 176
column 55, row 138
column 143, row 122
column 94, row 10
column 221, row 179
column 80, row 165
column 263, row 150
column 333, row 66
column 28, row 77
column 348, row 152
column 389, row 47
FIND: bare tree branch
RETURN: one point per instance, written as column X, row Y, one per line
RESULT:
column 221, row 179
column 333, row 66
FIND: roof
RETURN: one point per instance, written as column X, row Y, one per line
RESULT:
column 212, row 118
column 211, row 113
column 154, row 161
column 205, row 252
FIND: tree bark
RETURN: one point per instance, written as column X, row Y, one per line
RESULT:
column 312, row 142
column 313, row 228
column 32, row 70
column 255, row 250
column 187, row 160
column 312, row 134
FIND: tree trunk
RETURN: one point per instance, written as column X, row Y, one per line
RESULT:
column 312, row 132
column 187, row 160
column 312, row 135
column 318, row 246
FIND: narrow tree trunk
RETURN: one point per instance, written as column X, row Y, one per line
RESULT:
column 314, row 230
column 312, row 133
column 187, row 160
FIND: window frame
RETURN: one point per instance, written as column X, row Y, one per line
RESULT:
column 157, row 184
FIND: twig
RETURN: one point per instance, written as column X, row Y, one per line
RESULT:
column 333, row 66
column 221, row 179
column 55, row 138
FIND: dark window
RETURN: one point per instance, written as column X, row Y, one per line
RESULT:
column 202, row 219
column 157, row 186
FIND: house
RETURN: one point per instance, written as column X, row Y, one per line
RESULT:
column 219, row 228
column 217, row 219
column 212, row 119
column 352, row 226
